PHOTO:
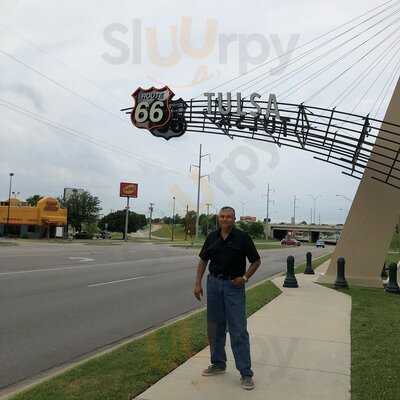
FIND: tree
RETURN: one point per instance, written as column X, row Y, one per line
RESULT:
column 210, row 222
column 116, row 221
column 190, row 223
column 33, row 200
column 254, row 229
column 82, row 208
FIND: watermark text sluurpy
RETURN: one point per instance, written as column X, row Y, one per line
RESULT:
column 167, row 49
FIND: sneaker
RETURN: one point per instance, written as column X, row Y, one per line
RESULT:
column 213, row 370
column 247, row 382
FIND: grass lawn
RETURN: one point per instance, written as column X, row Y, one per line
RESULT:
column 166, row 232
column 392, row 257
column 375, row 354
column 8, row 244
column 132, row 368
column 315, row 263
column 259, row 246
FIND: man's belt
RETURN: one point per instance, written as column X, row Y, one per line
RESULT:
column 220, row 276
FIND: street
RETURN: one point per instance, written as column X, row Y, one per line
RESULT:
column 60, row 302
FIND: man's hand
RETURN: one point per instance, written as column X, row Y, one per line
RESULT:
column 239, row 281
column 198, row 292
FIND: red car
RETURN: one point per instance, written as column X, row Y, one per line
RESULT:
column 290, row 242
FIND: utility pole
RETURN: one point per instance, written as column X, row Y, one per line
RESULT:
column 126, row 220
column 173, row 219
column 208, row 214
column 186, row 221
column 151, row 217
column 269, row 190
column 201, row 156
column 9, row 201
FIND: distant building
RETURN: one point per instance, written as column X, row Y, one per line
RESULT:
column 248, row 218
column 32, row 222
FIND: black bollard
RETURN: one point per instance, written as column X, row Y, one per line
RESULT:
column 392, row 286
column 340, row 278
column 384, row 274
column 290, row 280
column 309, row 269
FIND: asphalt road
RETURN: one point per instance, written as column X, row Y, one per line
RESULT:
column 59, row 302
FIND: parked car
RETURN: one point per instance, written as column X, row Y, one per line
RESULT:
column 320, row 243
column 103, row 235
column 83, row 235
column 290, row 242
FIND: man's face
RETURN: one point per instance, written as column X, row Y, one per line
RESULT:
column 226, row 218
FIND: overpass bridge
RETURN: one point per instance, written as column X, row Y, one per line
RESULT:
column 304, row 232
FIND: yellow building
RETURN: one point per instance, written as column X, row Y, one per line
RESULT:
column 32, row 222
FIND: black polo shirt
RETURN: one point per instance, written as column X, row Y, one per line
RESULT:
column 228, row 257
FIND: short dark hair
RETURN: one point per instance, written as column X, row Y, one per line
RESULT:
column 228, row 208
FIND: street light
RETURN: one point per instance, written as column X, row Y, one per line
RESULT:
column 9, row 201
column 173, row 220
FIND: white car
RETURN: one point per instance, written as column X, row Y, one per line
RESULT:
column 320, row 243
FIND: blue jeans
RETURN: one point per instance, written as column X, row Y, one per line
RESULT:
column 226, row 308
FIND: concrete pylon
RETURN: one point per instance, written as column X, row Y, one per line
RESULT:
column 370, row 224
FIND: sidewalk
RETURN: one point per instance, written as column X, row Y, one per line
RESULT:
column 300, row 344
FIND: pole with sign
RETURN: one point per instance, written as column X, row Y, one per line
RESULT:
column 128, row 190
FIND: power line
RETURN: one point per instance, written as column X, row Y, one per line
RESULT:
column 62, row 86
column 80, row 135
column 36, row 46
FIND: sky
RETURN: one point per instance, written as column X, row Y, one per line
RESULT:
column 75, row 64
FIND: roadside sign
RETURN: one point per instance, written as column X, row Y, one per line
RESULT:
column 128, row 189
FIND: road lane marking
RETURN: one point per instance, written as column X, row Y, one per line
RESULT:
column 118, row 281
column 81, row 259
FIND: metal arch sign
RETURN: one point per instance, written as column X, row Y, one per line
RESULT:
column 346, row 140
column 155, row 111
column 152, row 107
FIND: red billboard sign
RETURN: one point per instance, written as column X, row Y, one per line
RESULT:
column 127, row 189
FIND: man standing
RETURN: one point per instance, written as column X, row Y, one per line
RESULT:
column 227, row 249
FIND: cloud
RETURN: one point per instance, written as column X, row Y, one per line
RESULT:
column 26, row 91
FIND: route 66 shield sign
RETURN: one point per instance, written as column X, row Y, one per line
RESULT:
column 152, row 109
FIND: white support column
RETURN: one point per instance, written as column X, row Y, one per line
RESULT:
column 371, row 221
